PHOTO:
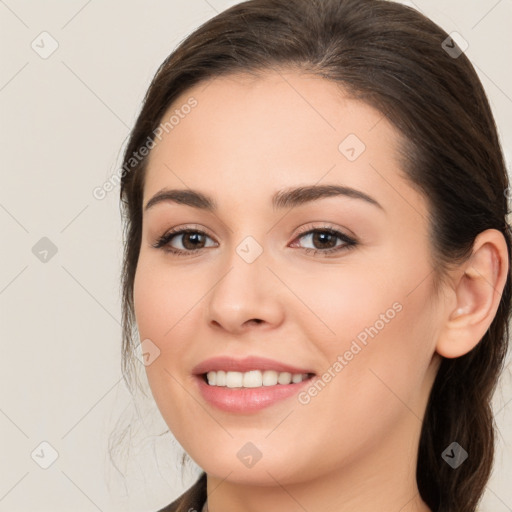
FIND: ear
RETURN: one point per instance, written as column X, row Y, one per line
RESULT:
column 478, row 285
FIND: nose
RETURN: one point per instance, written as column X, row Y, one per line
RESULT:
column 247, row 295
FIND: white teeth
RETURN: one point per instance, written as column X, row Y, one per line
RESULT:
column 253, row 378
column 234, row 379
column 269, row 378
column 284, row 378
column 212, row 378
column 220, row 379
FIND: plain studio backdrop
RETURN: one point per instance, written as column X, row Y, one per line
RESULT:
column 72, row 79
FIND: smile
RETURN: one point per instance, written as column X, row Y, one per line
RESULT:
column 253, row 378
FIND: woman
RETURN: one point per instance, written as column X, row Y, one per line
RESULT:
column 318, row 261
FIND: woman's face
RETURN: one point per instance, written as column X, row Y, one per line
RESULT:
column 247, row 283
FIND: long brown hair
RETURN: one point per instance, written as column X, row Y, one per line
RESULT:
column 398, row 61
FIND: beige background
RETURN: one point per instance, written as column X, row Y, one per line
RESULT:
column 64, row 121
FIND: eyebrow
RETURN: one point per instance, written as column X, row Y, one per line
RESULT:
column 287, row 198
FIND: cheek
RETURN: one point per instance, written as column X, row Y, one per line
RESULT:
column 375, row 369
column 162, row 305
column 382, row 324
column 162, row 299
column 349, row 301
column 397, row 344
column 165, row 313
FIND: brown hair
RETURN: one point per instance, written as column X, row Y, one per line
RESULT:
column 393, row 58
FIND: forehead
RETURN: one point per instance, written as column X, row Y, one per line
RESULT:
column 258, row 134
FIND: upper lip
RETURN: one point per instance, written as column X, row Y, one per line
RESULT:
column 229, row 363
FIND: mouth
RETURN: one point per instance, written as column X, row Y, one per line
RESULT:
column 253, row 378
column 248, row 385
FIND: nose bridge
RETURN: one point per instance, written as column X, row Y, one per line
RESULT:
column 246, row 291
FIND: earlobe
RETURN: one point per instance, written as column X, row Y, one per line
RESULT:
column 478, row 288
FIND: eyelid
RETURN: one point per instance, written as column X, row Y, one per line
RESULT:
column 164, row 239
column 343, row 233
column 187, row 227
column 324, row 226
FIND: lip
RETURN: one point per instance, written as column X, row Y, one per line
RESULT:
column 246, row 364
column 246, row 400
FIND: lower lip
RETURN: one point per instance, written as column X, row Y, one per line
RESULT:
column 247, row 399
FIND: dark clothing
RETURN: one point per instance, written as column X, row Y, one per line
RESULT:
column 191, row 500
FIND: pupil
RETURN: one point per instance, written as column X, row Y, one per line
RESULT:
column 194, row 236
column 321, row 237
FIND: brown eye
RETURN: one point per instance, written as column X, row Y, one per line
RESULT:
column 192, row 240
column 183, row 241
column 325, row 240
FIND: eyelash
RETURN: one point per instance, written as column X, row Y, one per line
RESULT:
column 349, row 243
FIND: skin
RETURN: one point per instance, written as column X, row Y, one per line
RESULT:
column 353, row 447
